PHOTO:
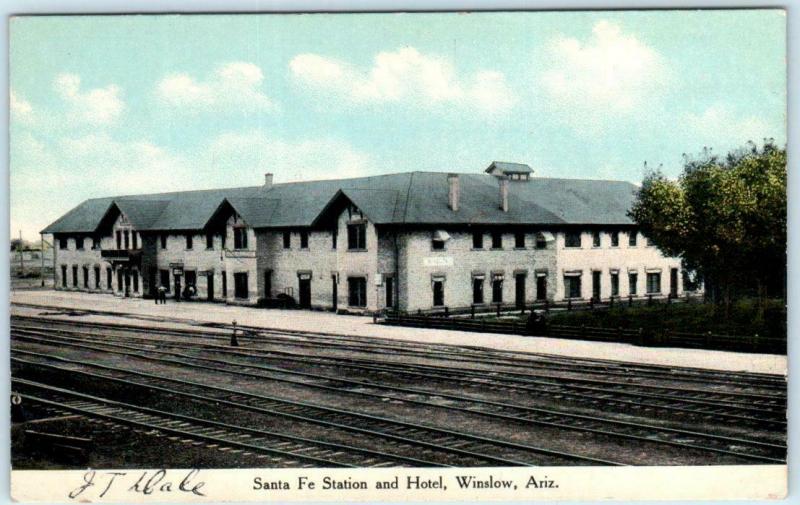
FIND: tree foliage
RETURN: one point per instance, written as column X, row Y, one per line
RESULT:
column 724, row 217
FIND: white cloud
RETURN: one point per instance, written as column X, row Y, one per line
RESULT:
column 611, row 74
column 98, row 106
column 721, row 128
column 235, row 85
column 20, row 109
column 404, row 75
column 256, row 152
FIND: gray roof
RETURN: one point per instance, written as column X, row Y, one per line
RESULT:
column 508, row 168
column 405, row 198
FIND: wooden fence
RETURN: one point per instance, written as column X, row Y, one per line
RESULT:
column 663, row 338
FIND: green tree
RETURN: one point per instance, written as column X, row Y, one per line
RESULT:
column 724, row 217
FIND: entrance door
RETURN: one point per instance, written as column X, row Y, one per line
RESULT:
column 268, row 284
column 151, row 279
column 389, row 292
column 596, row 285
column 210, row 286
column 520, row 290
column 127, row 283
column 177, row 281
column 541, row 287
column 335, row 292
column 673, row 281
column 305, row 293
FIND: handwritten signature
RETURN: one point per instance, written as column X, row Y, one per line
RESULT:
column 149, row 482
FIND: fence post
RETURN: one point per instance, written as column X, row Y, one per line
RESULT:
column 709, row 339
column 611, row 302
column 755, row 342
column 498, row 310
column 472, row 311
column 583, row 331
column 446, row 311
column 546, row 305
column 641, row 337
column 523, row 308
column 569, row 303
column 649, row 299
column 591, row 303
column 619, row 334
column 630, row 300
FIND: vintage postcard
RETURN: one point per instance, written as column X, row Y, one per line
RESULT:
column 398, row 257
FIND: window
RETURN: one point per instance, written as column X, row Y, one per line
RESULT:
column 541, row 243
column 75, row 276
column 632, row 238
column 79, row 243
column 437, row 245
column 595, row 239
column 541, row 287
column 614, row 239
column 119, row 239
column 497, row 289
column 97, row 277
column 109, row 278
column 240, row 238
column 572, row 239
column 357, row 291
column 572, row 286
column 191, row 277
column 633, row 281
column 135, row 275
column 334, row 238
column 86, row 277
column 357, row 236
column 127, row 239
column 164, row 241
column 614, row 283
column 62, row 243
column 477, row 290
column 304, row 240
column 189, row 241
column 287, row 240
column 596, row 279
column 240, row 285
column 438, row 292
column 164, row 278
column 224, row 284
column 477, row 240
column 654, row 282
column 497, row 240
column 519, row 240
column 95, row 243
column 209, row 241
column 63, row 275
column 135, row 239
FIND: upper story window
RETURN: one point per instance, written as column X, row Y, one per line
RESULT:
column 287, row 240
column 614, row 239
column 572, row 239
column 209, row 241
column 497, row 240
column 164, row 241
column 135, row 239
column 595, row 239
column 519, row 240
column 632, row 238
column 477, row 240
column 541, row 242
column 79, row 243
column 63, row 243
column 189, row 241
column 127, row 239
column 437, row 244
column 334, row 238
column 303, row 239
column 95, row 243
column 240, row 238
column 119, row 239
column 357, row 236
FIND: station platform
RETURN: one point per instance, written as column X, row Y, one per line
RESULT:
column 188, row 314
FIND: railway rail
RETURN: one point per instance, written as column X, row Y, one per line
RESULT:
column 422, row 441
column 732, row 446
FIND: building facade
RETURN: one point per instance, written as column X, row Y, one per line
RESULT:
column 412, row 241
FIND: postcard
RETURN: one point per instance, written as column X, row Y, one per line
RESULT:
column 451, row 256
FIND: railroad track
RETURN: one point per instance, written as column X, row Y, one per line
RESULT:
column 282, row 450
column 747, row 409
column 525, row 360
column 732, row 446
column 424, row 442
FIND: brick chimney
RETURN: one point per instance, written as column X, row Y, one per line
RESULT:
column 267, row 180
column 503, row 192
column 454, row 188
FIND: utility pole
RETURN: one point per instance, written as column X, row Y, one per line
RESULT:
column 41, row 238
column 21, row 258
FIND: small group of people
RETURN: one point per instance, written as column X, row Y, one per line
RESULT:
column 187, row 293
column 161, row 294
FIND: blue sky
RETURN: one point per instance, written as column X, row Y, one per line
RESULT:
column 126, row 104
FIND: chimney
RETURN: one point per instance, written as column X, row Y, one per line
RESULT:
column 503, row 193
column 267, row 180
column 454, row 190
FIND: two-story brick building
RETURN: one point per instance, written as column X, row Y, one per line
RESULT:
column 415, row 240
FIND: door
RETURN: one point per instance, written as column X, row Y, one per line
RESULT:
column 673, row 281
column 177, row 280
column 519, row 294
column 210, row 286
column 268, row 284
column 541, row 287
column 596, row 285
column 151, row 279
column 389, row 292
column 335, row 292
column 305, row 293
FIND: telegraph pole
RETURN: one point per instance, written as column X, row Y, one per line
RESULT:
column 41, row 237
column 21, row 258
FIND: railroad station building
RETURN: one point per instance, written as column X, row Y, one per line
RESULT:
column 409, row 241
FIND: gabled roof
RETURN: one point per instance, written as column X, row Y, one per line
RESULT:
column 406, row 198
column 505, row 167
